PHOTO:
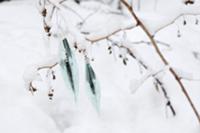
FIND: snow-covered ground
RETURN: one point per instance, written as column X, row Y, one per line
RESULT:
column 22, row 44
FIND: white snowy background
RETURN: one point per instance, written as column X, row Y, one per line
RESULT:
column 22, row 44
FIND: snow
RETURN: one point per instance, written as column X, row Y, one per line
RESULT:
column 22, row 51
column 167, row 15
column 183, row 74
column 31, row 73
column 136, row 83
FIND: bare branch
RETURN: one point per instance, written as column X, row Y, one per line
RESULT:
column 164, row 60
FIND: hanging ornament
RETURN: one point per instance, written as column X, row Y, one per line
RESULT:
column 92, row 85
column 69, row 67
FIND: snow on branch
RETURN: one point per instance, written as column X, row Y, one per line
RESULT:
column 169, row 22
column 32, row 72
column 186, row 75
column 161, row 56
column 156, row 74
column 110, row 24
column 108, row 33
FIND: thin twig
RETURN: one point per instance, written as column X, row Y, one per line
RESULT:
column 173, row 21
column 168, row 103
column 47, row 67
column 108, row 35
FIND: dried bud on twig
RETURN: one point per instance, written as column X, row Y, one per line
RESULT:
column 50, row 94
column 31, row 88
column 44, row 12
column 47, row 28
column 53, row 75
column 189, row 2
column 184, row 22
column 124, row 61
column 178, row 34
column 196, row 21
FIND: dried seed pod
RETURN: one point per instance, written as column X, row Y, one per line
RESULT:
column 125, row 62
column 50, row 95
column 178, row 34
column 53, row 75
column 44, row 12
column 196, row 21
column 34, row 89
column 184, row 22
column 50, row 98
column 189, row 2
column 156, row 86
column 49, row 34
column 75, row 46
column 77, row 1
column 168, row 103
column 110, row 49
column 47, row 28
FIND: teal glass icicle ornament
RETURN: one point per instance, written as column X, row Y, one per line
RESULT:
column 69, row 68
column 92, row 85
